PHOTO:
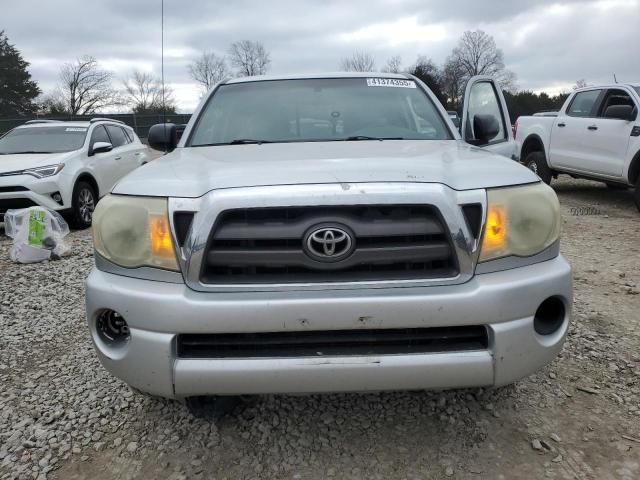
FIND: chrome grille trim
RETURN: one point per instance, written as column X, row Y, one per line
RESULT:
column 446, row 200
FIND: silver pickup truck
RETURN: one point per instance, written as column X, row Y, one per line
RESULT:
column 329, row 233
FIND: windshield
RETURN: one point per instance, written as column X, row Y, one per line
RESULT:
column 42, row 140
column 331, row 109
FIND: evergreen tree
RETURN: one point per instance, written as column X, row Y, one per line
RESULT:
column 17, row 90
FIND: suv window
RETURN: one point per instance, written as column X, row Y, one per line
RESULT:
column 583, row 103
column 483, row 100
column 99, row 135
column 129, row 134
column 118, row 137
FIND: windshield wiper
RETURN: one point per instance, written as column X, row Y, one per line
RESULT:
column 365, row 137
column 243, row 141
column 237, row 141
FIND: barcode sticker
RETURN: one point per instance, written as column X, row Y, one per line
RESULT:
column 390, row 82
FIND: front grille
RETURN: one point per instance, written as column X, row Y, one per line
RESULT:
column 333, row 343
column 265, row 245
column 15, row 203
column 13, row 189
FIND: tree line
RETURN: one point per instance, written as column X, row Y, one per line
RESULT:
column 475, row 54
column 84, row 87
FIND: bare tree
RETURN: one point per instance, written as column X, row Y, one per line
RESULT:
column 208, row 70
column 394, row 65
column 453, row 79
column 580, row 84
column 427, row 71
column 143, row 91
column 85, row 88
column 477, row 54
column 249, row 58
column 358, row 62
column 51, row 103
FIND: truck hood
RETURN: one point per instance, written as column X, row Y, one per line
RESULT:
column 14, row 163
column 194, row 171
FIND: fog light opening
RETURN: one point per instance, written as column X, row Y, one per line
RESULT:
column 57, row 197
column 549, row 316
column 112, row 328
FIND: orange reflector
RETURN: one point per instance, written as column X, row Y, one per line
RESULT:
column 160, row 237
column 495, row 233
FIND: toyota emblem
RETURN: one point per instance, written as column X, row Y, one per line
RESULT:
column 328, row 243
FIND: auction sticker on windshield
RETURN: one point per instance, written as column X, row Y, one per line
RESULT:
column 390, row 82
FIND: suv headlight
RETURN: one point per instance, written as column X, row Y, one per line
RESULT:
column 134, row 232
column 41, row 172
column 521, row 221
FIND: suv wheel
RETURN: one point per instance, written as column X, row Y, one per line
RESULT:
column 83, row 204
column 536, row 162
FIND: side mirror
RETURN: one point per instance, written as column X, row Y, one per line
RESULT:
column 621, row 112
column 485, row 128
column 101, row 147
column 163, row 136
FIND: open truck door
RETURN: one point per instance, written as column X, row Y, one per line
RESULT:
column 485, row 118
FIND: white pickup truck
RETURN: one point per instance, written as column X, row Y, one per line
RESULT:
column 596, row 135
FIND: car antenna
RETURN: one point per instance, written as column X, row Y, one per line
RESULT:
column 164, row 105
column 615, row 80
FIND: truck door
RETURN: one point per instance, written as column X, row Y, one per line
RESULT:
column 485, row 118
column 610, row 142
column 572, row 133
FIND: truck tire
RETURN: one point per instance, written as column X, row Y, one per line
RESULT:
column 84, row 201
column 536, row 162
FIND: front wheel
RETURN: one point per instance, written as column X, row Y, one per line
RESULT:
column 536, row 162
column 83, row 204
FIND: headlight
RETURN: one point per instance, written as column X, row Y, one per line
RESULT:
column 134, row 232
column 41, row 172
column 521, row 221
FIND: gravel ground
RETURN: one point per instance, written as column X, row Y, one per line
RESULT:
column 63, row 417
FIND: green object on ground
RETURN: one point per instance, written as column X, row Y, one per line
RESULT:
column 36, row 227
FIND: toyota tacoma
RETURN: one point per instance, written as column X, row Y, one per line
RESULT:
column 326, row 233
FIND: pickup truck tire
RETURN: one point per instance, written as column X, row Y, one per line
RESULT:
column 536, row 162
column 216, row 407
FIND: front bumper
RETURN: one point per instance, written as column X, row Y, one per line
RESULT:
column 22, row 191
column 505, row 302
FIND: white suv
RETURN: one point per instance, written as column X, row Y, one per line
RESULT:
column 66, row 166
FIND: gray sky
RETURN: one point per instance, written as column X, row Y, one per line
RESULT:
column 548, row 44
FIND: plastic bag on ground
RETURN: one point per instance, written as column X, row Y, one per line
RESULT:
column 38, row 234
